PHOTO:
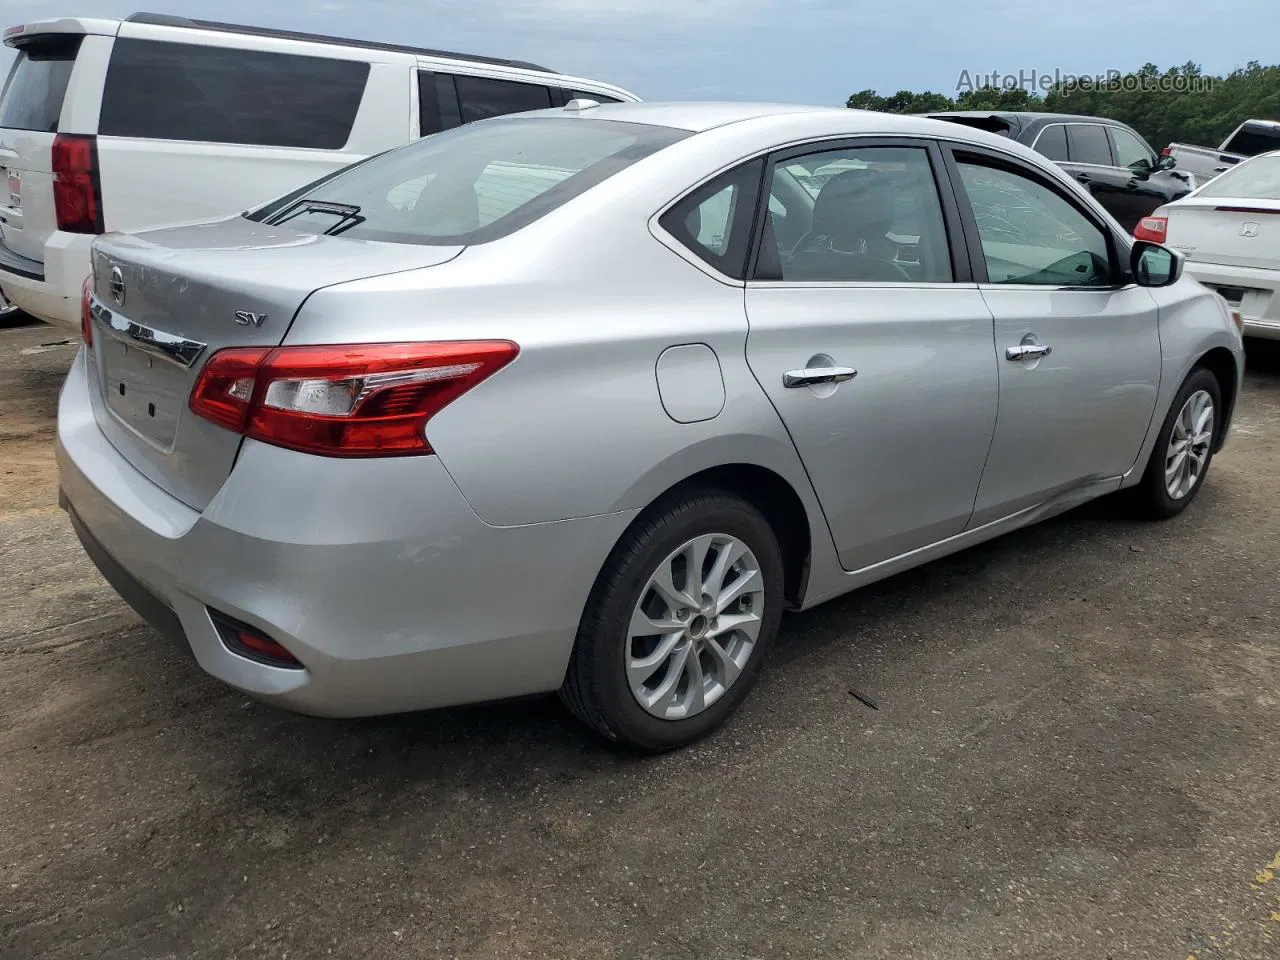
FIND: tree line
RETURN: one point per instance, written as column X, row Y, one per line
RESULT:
column 1176, row 105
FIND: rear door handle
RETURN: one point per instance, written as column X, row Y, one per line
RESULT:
column 809, row 376
column 1027, row 351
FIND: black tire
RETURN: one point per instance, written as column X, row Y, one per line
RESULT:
column 596, row 688
column 1151, row 497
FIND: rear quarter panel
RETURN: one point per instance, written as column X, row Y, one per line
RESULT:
column 575, row 427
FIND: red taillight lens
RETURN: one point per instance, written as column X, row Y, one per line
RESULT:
column 86, row 314
column 1155, row 229
column 347, row 400
column 226, row 386
column 1167, row 151
column 77, row 190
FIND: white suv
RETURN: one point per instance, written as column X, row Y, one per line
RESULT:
column 157, row 120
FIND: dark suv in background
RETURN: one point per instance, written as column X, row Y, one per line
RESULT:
column 1109, row 158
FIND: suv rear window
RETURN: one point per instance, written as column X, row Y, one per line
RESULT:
column 172, row 91
column 472, row 184
column 37, row 84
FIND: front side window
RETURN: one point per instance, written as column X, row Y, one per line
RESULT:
column 484, row 97
column 38, row 84
column 1131, row 152
column 1088, row 144
column 1030, row 234
column 472, row 184
column 189, row 92
column 873, row 215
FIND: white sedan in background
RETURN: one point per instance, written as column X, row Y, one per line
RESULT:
column 1229, row 230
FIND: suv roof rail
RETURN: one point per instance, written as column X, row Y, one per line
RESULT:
column 169, row 20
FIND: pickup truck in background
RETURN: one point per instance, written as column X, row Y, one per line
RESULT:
column 1248, row 140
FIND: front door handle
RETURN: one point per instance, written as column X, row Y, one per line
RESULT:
column 1027, row 351
column 809, row 376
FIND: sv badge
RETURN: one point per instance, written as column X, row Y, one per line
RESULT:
column 245, row 318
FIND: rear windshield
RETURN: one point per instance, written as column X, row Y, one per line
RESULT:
column 472, row 184
column 1257, row 179
column 177, row 91
column 37, row 84
column 1252, row 140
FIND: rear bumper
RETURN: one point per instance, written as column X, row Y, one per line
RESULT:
column 49, row 290
column 375, row 574
column 1260, row 309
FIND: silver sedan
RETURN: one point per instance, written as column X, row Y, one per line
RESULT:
column 585, row 399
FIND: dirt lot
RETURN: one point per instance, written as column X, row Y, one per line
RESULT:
column 1077, row 754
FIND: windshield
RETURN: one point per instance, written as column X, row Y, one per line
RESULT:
column 472, row 184
column 1257, row 179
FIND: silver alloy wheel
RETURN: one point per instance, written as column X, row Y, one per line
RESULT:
column 1189, row 445
column 7, row 306
column 695, row 626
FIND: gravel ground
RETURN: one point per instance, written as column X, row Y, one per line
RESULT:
column 1076, row 754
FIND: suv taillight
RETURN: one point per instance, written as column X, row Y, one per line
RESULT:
column 77, row 188
column 86, row 313
column 1155, row 229
column 343, row 400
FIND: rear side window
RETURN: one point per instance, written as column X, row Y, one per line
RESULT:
column 171, row 91
column 714, row 222
column 483, row 97
column 1089, row 144
column 583, row 95
column 1052, row 142
column 37, row 84
column 472, row 184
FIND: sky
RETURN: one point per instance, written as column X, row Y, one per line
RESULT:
column 805, row 51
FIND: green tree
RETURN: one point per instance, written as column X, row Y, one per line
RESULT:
column 1176, row 104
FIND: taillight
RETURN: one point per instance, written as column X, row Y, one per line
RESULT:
column 86, row 312
column 345, row 400
column 1155, row 229
column 77, row 189
column 1166, row 152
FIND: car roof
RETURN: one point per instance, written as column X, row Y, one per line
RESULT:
column 1024, row 116
column 18, row 35
column 698, row 116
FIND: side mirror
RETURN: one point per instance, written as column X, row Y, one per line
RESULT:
column 1154, row 265
column 1167, row 163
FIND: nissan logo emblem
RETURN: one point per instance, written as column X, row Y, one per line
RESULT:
column 116, row 286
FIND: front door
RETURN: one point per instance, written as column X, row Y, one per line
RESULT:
column 1077, row 346
column 873, row 344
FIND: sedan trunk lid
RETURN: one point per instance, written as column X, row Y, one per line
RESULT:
column 1225, row 231
column 166, row 300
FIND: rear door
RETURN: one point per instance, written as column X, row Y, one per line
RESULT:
column 207, row 127
column 30, row 112
column 872, row 342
